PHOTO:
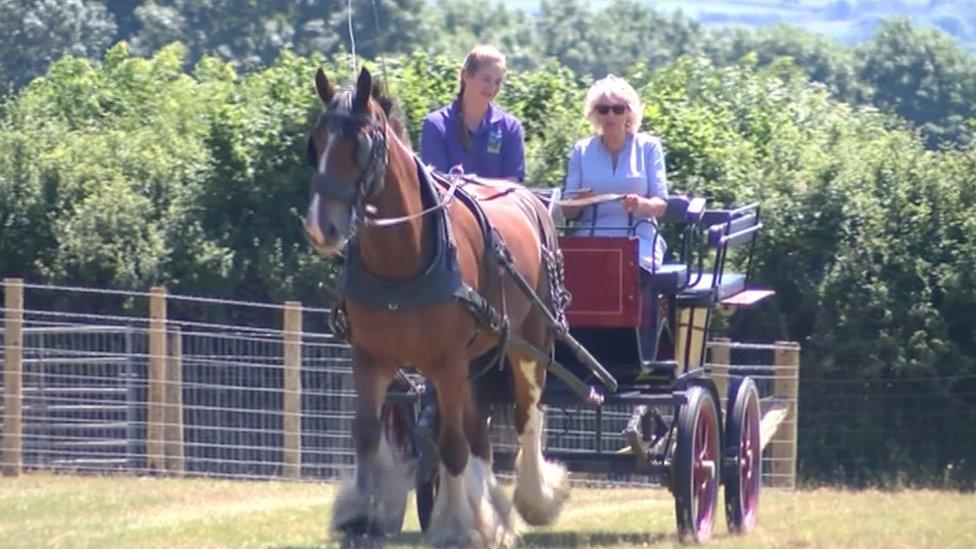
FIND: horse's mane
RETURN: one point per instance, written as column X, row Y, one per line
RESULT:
column 394, row 115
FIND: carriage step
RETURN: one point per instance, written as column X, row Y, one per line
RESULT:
column 659, row 366
column 657, row 372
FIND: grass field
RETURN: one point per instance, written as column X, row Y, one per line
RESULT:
column 41, row 510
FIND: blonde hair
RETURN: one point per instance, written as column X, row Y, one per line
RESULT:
column 616, row 88
column 478, row 57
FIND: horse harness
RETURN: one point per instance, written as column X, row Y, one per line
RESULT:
column 441, row 280
column 371, row 157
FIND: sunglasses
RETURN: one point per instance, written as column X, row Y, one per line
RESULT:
column 617, row 109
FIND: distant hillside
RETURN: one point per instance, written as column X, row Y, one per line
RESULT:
column 847, row 21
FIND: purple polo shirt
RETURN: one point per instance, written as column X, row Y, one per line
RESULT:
column 497, row 148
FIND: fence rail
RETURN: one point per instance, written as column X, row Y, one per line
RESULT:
column 167, row 392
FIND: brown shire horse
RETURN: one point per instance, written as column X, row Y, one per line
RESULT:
column 365, row 170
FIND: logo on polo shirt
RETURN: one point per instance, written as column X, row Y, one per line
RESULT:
column 495, row 141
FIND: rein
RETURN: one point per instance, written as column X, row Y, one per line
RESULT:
column 372, row 178
column 589, row 201
column 391, row 221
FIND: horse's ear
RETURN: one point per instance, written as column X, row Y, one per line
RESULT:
column 380, row 97
column 324, row 87
column 364, row 88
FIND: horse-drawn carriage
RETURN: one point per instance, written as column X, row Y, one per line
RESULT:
column 677, row 432
column 479, row 323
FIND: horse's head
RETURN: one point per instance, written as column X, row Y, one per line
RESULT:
column 348, row 151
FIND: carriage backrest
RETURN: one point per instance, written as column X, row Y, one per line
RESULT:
column 724, row 229
column 728, row 228
column 682, row 209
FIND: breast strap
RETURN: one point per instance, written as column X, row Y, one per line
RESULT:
column 439, row 282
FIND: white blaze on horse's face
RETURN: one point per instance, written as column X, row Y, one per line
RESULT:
column 328, row 220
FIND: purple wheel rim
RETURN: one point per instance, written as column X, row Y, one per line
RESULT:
column 704, row 472
column 749, row 466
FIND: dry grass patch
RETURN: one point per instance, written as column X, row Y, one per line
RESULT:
column 108, row 511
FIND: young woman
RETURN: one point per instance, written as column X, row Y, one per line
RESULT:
column 471, row 132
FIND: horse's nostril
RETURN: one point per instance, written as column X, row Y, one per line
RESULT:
column 331, row 232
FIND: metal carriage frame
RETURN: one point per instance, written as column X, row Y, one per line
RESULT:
column 676, row 431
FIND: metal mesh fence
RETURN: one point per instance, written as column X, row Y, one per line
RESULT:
column 81, row 394
column 88, row 393
column 775, row 368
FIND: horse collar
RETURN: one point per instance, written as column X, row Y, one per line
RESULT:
column 439, row 282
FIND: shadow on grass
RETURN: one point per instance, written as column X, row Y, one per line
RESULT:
column 588, row 539
column 529, row 539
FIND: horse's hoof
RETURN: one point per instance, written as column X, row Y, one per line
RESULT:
column 540, row 507
column 361, row 527
column 361, row 542
column 457, row 542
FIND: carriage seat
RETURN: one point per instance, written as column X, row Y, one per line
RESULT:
column 669, row 278
column 707, row 290
column 685, row 212
column 727, row 228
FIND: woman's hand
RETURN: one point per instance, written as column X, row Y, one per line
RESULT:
column 634, row 204
column 571, row 212
column 643, row 207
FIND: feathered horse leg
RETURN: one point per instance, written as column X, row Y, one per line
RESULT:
column 542, row 486
column 373, row 504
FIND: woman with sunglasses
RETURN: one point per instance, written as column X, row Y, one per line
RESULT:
column 620, row 160
column 471, row 132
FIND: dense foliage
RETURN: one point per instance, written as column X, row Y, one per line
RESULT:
column 187, row 169
column 136, row 172
column 922, row 75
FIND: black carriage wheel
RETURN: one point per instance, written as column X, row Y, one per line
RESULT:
column 426, row 495
column 743, row 476
column 428, row 464
column 696, row 465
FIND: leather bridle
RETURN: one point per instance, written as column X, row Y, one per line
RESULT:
column 370, row 156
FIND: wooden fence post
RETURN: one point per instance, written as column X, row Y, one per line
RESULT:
column 175, row 459
column 721, row 361
column 782, row 448
column 292, row 401
column 156, row 405
column 13, row 354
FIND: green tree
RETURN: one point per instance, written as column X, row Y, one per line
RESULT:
column 821, row 59
column 924, row 77
column 631, row 32
column 462, row 24
column 247, row 33
column 567, row 31
column 613, row 39
column 34, row 33
column 397, row 26
column 252, row 33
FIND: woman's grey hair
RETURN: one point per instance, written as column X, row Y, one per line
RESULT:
column 616, row 89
